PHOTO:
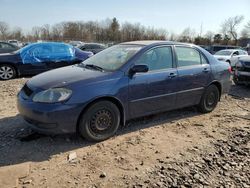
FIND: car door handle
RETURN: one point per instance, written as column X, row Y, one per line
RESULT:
column 172, row 75
column 206, row 70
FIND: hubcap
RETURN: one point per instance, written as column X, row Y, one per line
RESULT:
column 101, row 121
column 211, row 98
column 6, row 72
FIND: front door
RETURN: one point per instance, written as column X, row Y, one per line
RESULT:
column 155, row 90
column 37, row 59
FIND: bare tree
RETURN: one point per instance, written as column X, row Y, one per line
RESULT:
column 230, row 27
column 245, row 33
column 17, row 34
column 209, row 35
column 36, row 32
column 187, row 35
column 4, row 28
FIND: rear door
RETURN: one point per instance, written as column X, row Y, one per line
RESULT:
column 6, row 48
column 155, row 90
column 194, row 73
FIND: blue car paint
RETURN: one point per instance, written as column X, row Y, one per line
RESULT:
column 26, row 64
column 140, row 95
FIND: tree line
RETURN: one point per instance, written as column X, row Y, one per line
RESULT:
column 110, row 30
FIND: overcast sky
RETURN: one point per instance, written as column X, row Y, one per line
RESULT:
column 172, row 15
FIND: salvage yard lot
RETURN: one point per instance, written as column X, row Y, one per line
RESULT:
column 179, row 148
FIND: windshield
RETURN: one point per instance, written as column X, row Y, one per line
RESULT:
column 114, row 57
column 223, row 53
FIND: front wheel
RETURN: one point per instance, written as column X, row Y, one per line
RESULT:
column 7, row 72
column 209, row 99
column 100, row 121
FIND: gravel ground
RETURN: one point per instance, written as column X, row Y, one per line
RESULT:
column 182, row 148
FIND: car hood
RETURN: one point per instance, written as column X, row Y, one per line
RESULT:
column 65, row 76
column 221, row 57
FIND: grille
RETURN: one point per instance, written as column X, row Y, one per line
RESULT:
column 27, row 91
column 247, row 69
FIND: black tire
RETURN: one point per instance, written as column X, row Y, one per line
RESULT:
column 7, row 72
column 100, row 121
column 209, row 99
column 236, row 82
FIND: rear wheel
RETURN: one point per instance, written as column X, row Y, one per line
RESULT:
column 7, row 72
column 209, row 99
column 100, row 121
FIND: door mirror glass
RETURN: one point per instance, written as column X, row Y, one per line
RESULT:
column 139, row 68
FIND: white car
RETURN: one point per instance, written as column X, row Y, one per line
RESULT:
column 16, row 43
column 230, row 56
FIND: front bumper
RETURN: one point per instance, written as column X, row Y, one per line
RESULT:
column 55, row 118
column 242, row 76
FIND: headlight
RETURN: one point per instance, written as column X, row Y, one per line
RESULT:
column 52, row 95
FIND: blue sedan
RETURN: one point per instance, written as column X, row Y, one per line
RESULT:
column 39, row 57
column 123, row 82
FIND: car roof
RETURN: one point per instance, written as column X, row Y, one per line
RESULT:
column 155, row 42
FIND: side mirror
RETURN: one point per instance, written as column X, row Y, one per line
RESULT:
column 139, row 68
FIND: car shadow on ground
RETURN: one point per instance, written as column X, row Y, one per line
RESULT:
column 240, row 91
column 19, row 144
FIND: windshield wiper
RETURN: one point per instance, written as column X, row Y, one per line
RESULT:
column 96, row 67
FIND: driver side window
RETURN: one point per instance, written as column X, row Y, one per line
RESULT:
column 157, row 58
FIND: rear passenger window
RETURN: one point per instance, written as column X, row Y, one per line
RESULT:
column 187, row 56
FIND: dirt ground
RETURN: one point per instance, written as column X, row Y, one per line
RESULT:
column 182, row 148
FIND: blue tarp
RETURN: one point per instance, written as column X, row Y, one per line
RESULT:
column 47, row 51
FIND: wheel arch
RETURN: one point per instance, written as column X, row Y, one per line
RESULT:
column 112, row 99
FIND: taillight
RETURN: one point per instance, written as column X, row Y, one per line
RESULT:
column 230, row 70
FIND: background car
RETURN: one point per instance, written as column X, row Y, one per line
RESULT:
column 242, row 71
column 76, row 43
column 230, row 56
column 16, row 43
column 215, row 48
column 7, row 47
column 120, row 83
column 39, row 57
column 92, row 47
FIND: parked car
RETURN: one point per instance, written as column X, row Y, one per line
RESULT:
column 230, row 56
column 39, row 57
column 242, row 71
column 6, row 47
column 215, row 48
column 92, row 47
column 76, row 43
column 120, row 83
column 16, row 43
